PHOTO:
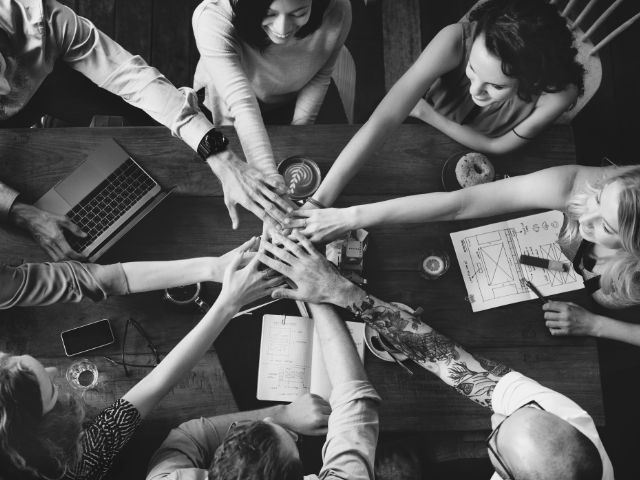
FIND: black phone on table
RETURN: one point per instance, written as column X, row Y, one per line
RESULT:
column 87, row 337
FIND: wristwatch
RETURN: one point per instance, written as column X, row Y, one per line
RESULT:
column 212, row 142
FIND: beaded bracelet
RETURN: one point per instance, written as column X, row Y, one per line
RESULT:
column 315, row 202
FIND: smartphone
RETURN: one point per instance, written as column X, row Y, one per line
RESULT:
column 87, row 337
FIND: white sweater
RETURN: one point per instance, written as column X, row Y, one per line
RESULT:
column 235, row 75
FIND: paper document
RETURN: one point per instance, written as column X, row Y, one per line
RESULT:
column 489, row 258
column 291, row 361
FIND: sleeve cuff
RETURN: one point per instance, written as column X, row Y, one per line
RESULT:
column 111, row 278
column 351, row 391
column 7, row 196
column 500, row 392
column 196, row 125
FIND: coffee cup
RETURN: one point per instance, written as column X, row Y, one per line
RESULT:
column 185, row 298
column 301, row 175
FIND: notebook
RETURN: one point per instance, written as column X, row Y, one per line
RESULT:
column 291, row 361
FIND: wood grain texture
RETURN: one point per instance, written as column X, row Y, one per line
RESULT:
column 410, row 162
column 170, row 40
column 133, row 26
column 102, row 13
column 195, row 222
column 401, row 37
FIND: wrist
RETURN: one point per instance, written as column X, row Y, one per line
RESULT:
column 18, row 213
column 214, row 270
column 352, row 216
column 348, row 294
column 220, row 161
column 597, row 328
column 280, row 417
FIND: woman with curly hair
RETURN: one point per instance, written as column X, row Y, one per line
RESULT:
column 267, row 61
column 41, row 432
column 491, row 84
column 601, row 235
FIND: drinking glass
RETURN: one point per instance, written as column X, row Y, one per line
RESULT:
column 433, row 264
column 82, row 374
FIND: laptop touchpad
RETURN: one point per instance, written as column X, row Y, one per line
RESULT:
column 79, row 183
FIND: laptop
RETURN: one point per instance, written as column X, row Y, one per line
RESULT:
column 106, row 195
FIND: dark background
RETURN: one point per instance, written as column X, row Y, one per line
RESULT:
column 160, row 31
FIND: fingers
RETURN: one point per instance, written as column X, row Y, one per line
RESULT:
column 277, row 183
column 287, row 293
column 278, row 201
column 554, row 324
column 279, row 253
column 235, row 262
column 554, row 316
column 274, row 264
column 274, row 282
column 288, row 244
column 555, row 306
column 249, row 245
column 233, row 213
column 72, row 227
column 305, row 242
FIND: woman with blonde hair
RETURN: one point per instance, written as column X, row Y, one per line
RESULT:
column 41, row 433
column 601, row 234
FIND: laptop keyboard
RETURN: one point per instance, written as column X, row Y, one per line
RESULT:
column 108, row 202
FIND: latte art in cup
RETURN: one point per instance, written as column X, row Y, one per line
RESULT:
column 301, row 175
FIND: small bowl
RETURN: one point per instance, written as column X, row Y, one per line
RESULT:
column 383, row 354
column 302, row 175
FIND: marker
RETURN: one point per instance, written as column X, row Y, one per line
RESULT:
column 544, row 263
column 536, row 291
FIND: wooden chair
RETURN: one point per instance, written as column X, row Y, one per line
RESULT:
column 587, row 51
column 344, row 76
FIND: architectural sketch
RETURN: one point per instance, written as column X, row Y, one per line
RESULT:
column 279, row 339
column 489, row 258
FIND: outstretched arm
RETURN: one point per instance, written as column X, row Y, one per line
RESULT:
column 319, row 282
column 239, row 288
column 440, row 56
column 550, row 189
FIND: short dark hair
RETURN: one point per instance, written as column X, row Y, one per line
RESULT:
column 534, row 43
column 252, row 452
column 248, row 16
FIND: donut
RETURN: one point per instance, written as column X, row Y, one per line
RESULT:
column 474, row 169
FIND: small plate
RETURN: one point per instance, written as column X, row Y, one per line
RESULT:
column 370, row 332
column 449, row 179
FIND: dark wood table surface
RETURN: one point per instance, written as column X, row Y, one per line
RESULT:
column 193, row 221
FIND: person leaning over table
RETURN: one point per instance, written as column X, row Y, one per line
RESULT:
column 41, row 431
column 249, row 446
column 260, row 56
column 53, row 61
column 537, row 433
column 38, row 284
column 601, row 235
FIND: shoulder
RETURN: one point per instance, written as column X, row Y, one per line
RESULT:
column 338, row 12
column 562, row 99
column 450, row 39
column 217, row 11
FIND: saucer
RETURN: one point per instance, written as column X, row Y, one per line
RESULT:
column 370, row 332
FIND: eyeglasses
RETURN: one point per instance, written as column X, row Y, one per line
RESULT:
column 296, row 438
column 494, row 448
column 124, row 364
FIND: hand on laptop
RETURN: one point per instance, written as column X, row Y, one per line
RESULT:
column 47, row 230
column 246, row 185
column 317, row 279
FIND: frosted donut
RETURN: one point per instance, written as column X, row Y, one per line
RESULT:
column 474, row 169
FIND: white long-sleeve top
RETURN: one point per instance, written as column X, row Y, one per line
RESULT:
column 235, row 75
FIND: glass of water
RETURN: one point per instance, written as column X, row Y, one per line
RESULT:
column 82, row 374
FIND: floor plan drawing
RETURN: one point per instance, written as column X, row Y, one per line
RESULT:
column 279, row 338
column 489, row 257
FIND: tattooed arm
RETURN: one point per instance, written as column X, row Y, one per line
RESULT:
column 319, row 282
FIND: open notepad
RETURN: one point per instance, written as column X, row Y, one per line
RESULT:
column 291, row 361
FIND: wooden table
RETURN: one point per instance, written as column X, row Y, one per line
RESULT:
column 194, row 221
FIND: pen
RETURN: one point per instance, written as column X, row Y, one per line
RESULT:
column 544, row 263
column 536, row 291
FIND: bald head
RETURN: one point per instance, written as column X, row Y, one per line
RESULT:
column 538, row 445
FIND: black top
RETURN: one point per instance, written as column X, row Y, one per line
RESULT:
column 581, row 260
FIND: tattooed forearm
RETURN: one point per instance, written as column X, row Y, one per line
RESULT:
column 471, row 375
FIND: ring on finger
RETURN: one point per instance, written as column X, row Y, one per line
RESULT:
column 305, row 223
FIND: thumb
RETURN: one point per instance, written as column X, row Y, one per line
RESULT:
column 287, row 293
column 233, row 213
column 235, row 263
column 73, row 228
